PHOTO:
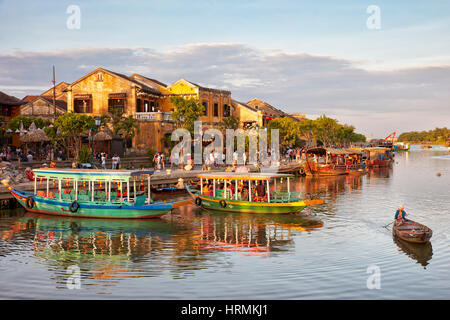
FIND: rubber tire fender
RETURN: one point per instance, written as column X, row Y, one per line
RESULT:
column 223, row 203
column 29, row 203
column 74, row 206
column 198, row 201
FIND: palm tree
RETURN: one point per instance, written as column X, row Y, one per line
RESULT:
column 128, row 128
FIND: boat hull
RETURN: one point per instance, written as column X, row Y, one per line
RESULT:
column 92, row 210
column 211, row 203
column 313, row 169
column 412, row 231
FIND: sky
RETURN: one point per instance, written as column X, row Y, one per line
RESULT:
column 380, row 73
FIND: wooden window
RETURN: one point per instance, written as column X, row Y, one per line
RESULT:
column 82, row 105
column 138, row 105
column 116, row 104
column 205, row 108
column 226, row 110
column 216, row 109
column 154, row 106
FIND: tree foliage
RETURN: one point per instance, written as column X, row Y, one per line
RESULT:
column 326, row 130
column 438, row 135
column 14, row 123
column 288, row 130
column 70, row 127
column 186, row 112
column 230, row 122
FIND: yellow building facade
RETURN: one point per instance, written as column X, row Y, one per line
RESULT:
column 147, row 100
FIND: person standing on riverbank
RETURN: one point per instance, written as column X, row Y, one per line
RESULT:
column 103, row 158
column 114, row 162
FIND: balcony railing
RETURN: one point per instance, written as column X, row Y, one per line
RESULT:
column 153, row 116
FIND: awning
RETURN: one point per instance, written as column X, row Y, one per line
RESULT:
column 117, row 95
column 82, row 96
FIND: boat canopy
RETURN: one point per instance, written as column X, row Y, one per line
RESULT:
column 242, row 176
column 323, row 151
column 377, row 149
column 88, row 175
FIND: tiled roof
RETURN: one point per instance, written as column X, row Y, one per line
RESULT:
column 7, row 100
column 59, row 103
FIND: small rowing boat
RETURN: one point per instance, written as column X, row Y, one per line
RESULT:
column 412, row 231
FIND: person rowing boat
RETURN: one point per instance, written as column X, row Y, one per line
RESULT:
column 400, row 216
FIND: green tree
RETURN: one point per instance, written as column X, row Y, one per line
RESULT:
column 85, row 155
column 124, row 126
column 186, row 112
column 230, row 122
column 325, row 130
column 438, row 135
column 14, row 123
column 288, row 130
column 305, row 128
column 70, row 127
column 128, row 128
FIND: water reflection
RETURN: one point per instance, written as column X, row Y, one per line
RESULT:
column 379, row 172
column 109, row 251
column 329, row 189
column 251, row 234
column 421, row 252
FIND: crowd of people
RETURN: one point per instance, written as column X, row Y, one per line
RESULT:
column 115, row 161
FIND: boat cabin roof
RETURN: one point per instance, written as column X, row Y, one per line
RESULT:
column 87, row 174
column 243, row 176
column 323, row 151
column 380, row 149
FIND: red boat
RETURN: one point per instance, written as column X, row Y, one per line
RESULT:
column 378, row 157
column 333, row 162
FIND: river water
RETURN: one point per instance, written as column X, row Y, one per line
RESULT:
column 338, row 250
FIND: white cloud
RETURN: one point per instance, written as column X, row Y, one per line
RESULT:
column 376, row 102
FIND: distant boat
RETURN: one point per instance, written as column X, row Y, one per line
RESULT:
column 412, row 231
column 426, row 147
column 401, row 147
column 378, row 157
column 333, row 162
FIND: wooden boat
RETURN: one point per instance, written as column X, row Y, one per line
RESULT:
column 378, row 157
column 168, row 190
column 426, row 147
column 333, row 162
column 93, row 194
column 401, row 147
column 412, row 231
column 272, row 202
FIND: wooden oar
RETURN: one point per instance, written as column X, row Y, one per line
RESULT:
column 388, row 224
